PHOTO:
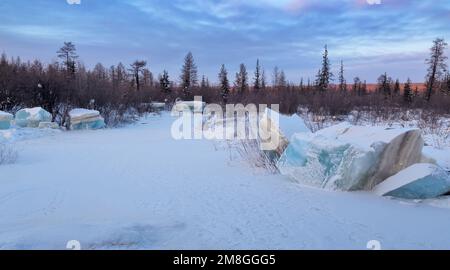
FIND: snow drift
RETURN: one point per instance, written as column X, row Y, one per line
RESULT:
column 85, row 119
column 31, row 117
column 51, row 125
column 419, row 181
column 5, row 120
column 348, row 157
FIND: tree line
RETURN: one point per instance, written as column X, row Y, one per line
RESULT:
column 114, row 91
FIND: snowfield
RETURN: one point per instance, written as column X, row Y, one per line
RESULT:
column 137, row 188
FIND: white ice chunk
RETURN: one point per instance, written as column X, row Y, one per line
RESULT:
column 348, row 157
column 419, row 181
column 31, row 117
column 5, row 120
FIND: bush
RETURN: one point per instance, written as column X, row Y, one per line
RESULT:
column 8, row 154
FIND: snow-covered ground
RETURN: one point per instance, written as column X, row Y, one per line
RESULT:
column 137, row 188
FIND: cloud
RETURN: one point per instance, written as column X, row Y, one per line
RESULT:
column 287, row 33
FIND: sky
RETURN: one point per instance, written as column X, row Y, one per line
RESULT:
column 370, row 36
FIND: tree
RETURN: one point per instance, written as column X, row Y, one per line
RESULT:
column 397, row 87
column 342, row 82
column 324, row 75
column 147, row 77
column 364, row 88
column 257, row 81
column 357, row 86
column 68, row 53
column 282, row 83
column 436, row 65
column 407, row 92
column 137, row 69
column 203, row 84
column 448, row 83
column 188, row 75
column 241, row 82
column 263, row 80
column 276, row 77
column 224, row 84
column 164, row 82
column 384, row 85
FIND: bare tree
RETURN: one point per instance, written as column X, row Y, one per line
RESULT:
column 68, row 53
column 137, row 69
column 436, row 65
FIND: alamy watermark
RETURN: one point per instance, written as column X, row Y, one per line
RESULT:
column 197, row 121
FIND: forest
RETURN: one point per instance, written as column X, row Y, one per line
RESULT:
column 122, row 91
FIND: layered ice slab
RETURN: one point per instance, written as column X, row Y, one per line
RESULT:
column 348, row 157
column 5, row 120
column 283, row 126
column 32, row 117
column 85, row 119
column 419, row 181
column 195, row 106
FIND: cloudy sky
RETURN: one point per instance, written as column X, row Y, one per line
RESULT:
column 393, row 36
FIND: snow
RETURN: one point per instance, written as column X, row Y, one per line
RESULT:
column 83, row 113
column 51, row 125
column 31, row 117
column 419, row 181
column 137, row 188
column 440, row 156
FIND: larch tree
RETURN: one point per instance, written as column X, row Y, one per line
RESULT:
column 68, row 53
column 137, row 69
column 436, row 66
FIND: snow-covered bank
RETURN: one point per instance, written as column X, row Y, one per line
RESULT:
column 137, row 188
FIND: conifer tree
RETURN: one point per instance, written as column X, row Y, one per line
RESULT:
column 224, row 84
column 407, row 92
column 188, row 75
column 257, row 80
column 241, row 82
column 164, row 82
column 325, row 75
column 342, row 82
